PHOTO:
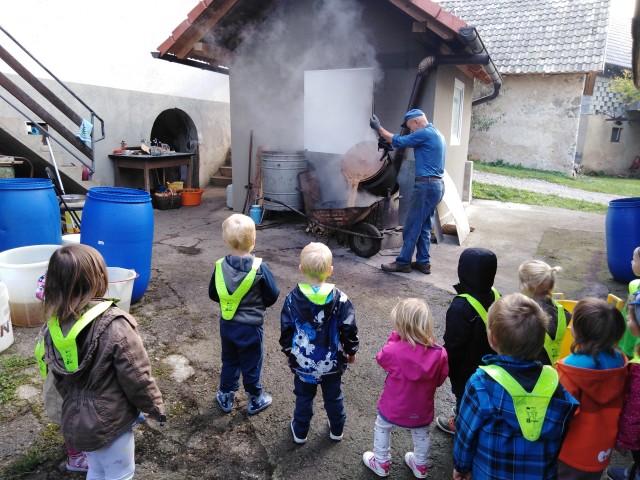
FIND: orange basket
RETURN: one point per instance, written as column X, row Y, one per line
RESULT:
column 191, row 196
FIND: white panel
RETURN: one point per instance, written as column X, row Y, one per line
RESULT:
column 337, row 107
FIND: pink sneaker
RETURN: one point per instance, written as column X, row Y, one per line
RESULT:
column 419, row 471
column 380, row 469
column 77, row 463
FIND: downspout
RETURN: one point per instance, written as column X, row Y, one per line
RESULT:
column 474, row 42
column 423, row 69
column 479, row 56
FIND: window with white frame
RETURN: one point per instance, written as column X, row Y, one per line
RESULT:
column 456, row 115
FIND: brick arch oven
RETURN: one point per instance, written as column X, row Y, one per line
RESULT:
column 175, row 128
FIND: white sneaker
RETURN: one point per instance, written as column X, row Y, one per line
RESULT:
column 419, row 471
column 298, row 440
column 380, row 469
column 335, row 438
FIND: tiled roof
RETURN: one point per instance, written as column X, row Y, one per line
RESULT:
column 214, row 29
column 539, row 36
column 619, row 40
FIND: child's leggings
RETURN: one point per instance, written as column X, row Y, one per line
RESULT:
column 382, row 446
column 113, row 462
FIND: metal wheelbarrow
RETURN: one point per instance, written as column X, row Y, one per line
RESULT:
column 363, row 238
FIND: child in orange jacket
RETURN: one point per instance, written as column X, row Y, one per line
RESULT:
column 595, row 374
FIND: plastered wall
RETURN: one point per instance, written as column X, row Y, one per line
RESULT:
column 537, row 122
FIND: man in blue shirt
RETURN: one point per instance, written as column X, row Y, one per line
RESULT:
column 429, row 150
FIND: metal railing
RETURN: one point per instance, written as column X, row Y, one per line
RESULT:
column 81, row 148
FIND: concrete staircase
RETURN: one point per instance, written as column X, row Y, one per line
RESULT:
column 223, row 177
column 22, row 144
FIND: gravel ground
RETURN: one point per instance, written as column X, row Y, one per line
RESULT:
column 542, row 186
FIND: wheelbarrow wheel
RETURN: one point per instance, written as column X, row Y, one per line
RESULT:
column 361, row 246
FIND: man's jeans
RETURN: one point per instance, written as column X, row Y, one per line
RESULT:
column 416, row 232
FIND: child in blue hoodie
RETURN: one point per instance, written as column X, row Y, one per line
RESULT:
column 319, row 336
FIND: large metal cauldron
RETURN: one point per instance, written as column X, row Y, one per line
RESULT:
column 371, row 168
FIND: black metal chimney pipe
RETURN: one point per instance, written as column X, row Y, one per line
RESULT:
column 479, row 56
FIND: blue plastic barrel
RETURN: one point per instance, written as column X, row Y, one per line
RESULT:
column 118, row 222
column 29, row 213
column 623, row 236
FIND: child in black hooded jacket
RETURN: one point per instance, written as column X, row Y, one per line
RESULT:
column 465, row 336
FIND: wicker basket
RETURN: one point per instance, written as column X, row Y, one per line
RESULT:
column 166, row 202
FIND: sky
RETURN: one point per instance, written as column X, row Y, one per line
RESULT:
column 106, row 43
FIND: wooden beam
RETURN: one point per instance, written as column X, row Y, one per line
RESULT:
column 212, row 52
column 435, row 27
column 200, row 28
column 589, row 83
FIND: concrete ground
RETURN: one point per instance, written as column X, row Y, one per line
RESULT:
column 179, row 325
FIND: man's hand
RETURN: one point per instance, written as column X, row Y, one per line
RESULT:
column 375, row 123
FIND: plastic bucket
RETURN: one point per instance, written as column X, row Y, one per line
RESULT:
column 191, row 197
column 20, row 269
column 75, row 203
column 6, row 332
column 280, row 180
column 29, row 214
column 71, row 238
column 121, row 285
column 623, row 236
column 118, row 222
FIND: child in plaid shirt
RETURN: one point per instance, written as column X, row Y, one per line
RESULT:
column 514, row 412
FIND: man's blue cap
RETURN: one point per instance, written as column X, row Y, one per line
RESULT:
column 413, row 113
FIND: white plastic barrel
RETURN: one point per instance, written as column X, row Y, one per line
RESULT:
column 230, row 195
column 20, row 269
column 6, row 331
column 121, row 285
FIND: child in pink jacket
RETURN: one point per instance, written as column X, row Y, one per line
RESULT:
column 416, row 365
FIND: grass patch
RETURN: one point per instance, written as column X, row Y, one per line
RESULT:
column 48, row 447
column 626, row 187
column 514, row 195
column 12, row 375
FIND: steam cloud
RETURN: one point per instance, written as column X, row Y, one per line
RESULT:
column 299, row 35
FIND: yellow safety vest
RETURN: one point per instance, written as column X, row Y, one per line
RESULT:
column 635, row 359
column 552, row 346
column 531, row 408
column 319, row 297
column 229, row 302
column 634, row 285
column 42, row 366
column 67, row 345
column 477, row 306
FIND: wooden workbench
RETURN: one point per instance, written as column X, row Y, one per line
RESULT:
column 151, row 162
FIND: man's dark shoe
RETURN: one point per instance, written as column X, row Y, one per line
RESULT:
column 421, row 267
column 394, row 267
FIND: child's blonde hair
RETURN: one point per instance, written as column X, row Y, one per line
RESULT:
column 517, row 325
column 76, row 274
column 597, row 327
column 239, row 232
column 413, row 321
column 537, row 278
column 315, row 261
